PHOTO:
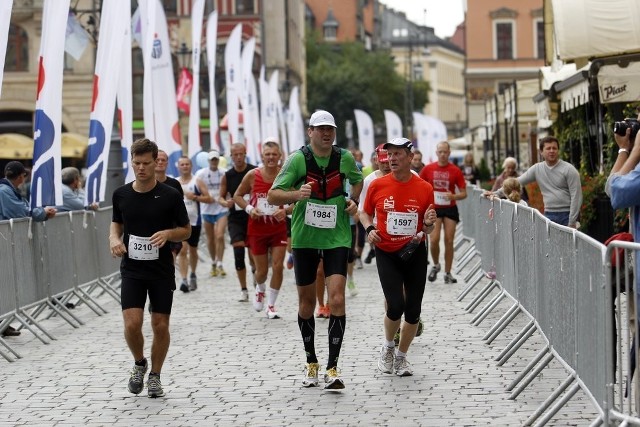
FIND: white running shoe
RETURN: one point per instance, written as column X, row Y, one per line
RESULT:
column 244, row 296
column 402, row 367
column 258, row 301
column 272, row 313
column 310, row 375
column 387, row 357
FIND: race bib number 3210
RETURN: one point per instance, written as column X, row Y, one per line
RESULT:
column 141, row 248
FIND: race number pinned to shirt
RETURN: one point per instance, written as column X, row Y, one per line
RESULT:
column 321, row 216
column 440, row 198
column 141, row 248
column 402, row 223
column 265, row 207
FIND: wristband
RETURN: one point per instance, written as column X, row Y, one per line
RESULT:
column 427, row 225
column 623, row 150
column 248, row 209
column 370, row 229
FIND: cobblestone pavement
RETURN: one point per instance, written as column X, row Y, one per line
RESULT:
column 229, row 365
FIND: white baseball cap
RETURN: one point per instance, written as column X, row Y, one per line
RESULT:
column 214, row 154
column 399, row 142
column 322, row 118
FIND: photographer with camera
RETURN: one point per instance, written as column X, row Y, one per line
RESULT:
column 403, row 205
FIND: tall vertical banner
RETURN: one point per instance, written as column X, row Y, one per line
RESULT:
column 147, row 16
column 124, row 98
column 421, row 129
column 365, row 133
column 46, row 177
column 212, row 44
column 114, row 21
column 263, row 88
column 255, row 118
column 270, row 118
column 295, row 128
column 194, row 145
column 393, row 123
column 249, row 103
column 161, row 91
column 233, row 74
column 5, row 21
column 274, row 95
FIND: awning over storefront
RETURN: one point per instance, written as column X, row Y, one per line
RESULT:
column 619, row 84
column 595, row 28
column 73, row 145
column 15, row 146
column 574, row 91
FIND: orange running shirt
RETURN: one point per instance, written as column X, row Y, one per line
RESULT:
column 399, row 207
column 444, row 179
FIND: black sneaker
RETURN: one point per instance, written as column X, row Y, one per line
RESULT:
column 434, row 273
column 370, row 256
column 184, row 287
column 136, row 380
column 448, row 278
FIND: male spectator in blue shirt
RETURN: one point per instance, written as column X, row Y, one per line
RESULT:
column 72, row 194
column 13, row 205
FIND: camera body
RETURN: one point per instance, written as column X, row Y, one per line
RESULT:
column 621, row 127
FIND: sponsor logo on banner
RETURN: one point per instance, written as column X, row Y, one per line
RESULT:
column 613, row 91
column 156, row 52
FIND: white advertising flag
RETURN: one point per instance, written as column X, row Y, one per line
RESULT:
column 249, row 103
column 233, row 75
column 394, row 124
column 124, row 98
column 114, row 24
column 295, row 125
column 159, row 65
column 194, row 111
column 46, row 177
column 212, row 44
column 5, row 20
column 365, row 133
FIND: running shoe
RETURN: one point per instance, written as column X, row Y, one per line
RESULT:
column 332, row 380
column 402, row 367
column 214, row 271
column 420, row 327
column 359, row 263
column 323, row 312
column 221, row 271
column 272, row 313
column 351, row 285
column 310, row 375
column 244, row 296
column 183, row 286
column 154, row 386
column 136, row 380
column 258, row 301
column 290, row 262
column 370, row 256
column 385, row 362
column 448, row 278
column 434, row 273
column 193, row 283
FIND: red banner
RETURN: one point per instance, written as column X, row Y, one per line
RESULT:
column 183, row 93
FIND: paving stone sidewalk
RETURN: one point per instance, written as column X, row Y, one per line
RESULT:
column 229, row 365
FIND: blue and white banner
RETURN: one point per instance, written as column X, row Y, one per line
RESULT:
column 394, row 124
column 46, row 177
column 194, row 145
column 114, row 23
column 212, row 44
column 5, row 21
column 365, row 133
column 233, row 74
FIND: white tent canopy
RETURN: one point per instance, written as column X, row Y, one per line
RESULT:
column 595, row 28
column 617, row 84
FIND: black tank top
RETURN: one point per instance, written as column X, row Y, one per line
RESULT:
column 234, row 178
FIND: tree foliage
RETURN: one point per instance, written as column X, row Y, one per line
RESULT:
column 344, row 77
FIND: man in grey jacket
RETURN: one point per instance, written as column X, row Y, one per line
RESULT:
column 559, row 183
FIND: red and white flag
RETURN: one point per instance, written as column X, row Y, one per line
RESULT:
column 194, row 145
column 46, row 177
column 111, row 63
column 185, row 86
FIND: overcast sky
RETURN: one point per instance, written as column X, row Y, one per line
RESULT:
column 443, row 15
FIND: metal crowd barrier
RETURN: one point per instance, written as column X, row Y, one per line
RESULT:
column 46, row 265
column 561, row 280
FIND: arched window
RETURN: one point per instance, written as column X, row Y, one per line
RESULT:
column 17, row 58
